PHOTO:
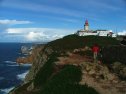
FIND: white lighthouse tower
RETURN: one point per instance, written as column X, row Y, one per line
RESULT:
column 86, row 26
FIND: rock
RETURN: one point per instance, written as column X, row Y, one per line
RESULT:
column 110, row 77
column 84, row 72
column 87, row 48
column 124, row 72
column 88, row 66
column 119, row 69
column 92, row 72
column 25, row 50
column 116, row 66
column 115, row 81
column 97, row 77
column 30, row 87
column 40, row 59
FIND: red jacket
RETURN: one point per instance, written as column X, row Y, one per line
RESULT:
column 95, row 49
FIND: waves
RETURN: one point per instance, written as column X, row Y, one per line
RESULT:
column 1, row 78
column 13, row 64
column 19, row 77
column 6, row 91
column 26, row 65
column 10, row 62
column 11, row 74
column 22, row 76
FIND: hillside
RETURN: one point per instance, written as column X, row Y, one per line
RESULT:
column 65, row 66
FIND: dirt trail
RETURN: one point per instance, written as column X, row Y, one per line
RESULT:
column 104, row 87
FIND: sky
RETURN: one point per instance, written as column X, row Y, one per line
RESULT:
column 46, row 20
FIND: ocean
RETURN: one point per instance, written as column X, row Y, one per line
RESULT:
column 11, row 74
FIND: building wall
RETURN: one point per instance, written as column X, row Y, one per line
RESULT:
column 86, row 28
column 86, row 34
column 103, row 33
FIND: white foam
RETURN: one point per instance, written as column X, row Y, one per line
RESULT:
column 7, row 90
column 12, row 65
column 10, row 62
column 22, row 76
column 26, row 65
column 15, row 64
column 1, row 78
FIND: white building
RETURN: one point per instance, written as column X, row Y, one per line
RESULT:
column 87, row 32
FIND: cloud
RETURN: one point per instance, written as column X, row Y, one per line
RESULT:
column 122, row 33
column 13, row 22
column 36, row 34
column 17, row 30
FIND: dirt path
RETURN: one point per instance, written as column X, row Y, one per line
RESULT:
column 104, row 87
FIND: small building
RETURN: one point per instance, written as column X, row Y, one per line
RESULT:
column 87, row 32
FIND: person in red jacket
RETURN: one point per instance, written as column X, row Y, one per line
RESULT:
column 95, row 50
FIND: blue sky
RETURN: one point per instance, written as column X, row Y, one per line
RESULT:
column 45, row 20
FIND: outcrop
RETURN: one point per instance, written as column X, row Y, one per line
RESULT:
column 31, row 54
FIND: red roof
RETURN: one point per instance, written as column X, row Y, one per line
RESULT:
column 86, row 22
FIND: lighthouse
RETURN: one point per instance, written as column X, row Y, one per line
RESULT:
column 87, row 32
column 86, row 26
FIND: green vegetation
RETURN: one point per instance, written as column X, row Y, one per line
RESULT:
column 111, row 54
column 71, row 42
column 46, row 71
column 69, row 74
column 67, row 82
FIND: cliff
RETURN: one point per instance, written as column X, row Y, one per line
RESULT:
column 66, row 66
column 31, row 54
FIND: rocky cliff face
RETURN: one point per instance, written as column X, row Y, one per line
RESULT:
column 41, row 55
column 40, row 59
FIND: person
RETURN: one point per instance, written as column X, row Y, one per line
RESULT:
column 95, row 50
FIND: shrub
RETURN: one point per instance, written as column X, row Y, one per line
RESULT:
column 66, row 82
column 111, row 54
column 69, row 74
